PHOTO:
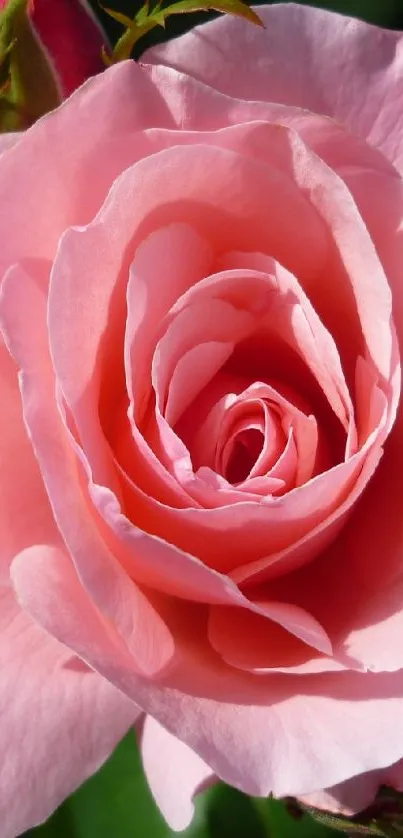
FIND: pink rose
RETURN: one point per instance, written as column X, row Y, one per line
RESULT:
column 71, row 38
column 201, row 442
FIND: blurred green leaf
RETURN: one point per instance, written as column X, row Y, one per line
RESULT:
column 230, row 814
column 282, row 824
column 117, row 803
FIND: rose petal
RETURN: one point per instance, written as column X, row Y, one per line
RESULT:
column 8, row 140
column 105, row 108
column 269, row 527
column 115, row 593
column 240, row 635
column 182, row 257
column 21, row 522
column 193, row 372
column 60, row 721
column 285, row 746
column 208, row 321
column 356, row 794
column 281, row 745
column 365, row 616
column 174, row 772
column 72, row 259
column 329, row 51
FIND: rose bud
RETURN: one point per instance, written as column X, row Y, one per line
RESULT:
column 47, row 50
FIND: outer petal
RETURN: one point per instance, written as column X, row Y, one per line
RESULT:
column 318, row 60
column 296, row 734
column 292, row 736
column 109, row 115
column 125, row 608
column 356, row 794
column 59, row 721
column 8, row 140
column 174, row 772
column 22, row 522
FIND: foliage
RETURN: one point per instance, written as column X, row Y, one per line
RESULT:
column 148, row 17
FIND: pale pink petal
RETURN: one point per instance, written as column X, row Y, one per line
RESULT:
column 155, row 179
column 364, row 617
column 151, row 560
column 243, row 447
column 286, row 466
column 8, row 140
column 276, row 298
column 109, row 116
column 315, row 542
column 284, row 747
column 314, row 59
column 117, row 596
column 157, row 562
column 279, row 740
column 197, row 107
column 222, row 326
column 299, row 429
column 374, row 617
column 249, row 641
column 240, row 201
column 165, row 265
column 383, row 219
column 208, row 321
column 356, row 794
column 363, row 294
column 174, row 773
column 22, row 522
column 273, row 525
column 225, row 493
column 60, row 720
column 194, row 371
column 139, row 465
column 365, row 170
column 235, row 634
column 359, row 286
column 203, row 432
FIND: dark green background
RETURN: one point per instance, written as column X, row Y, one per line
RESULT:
column 116, row 802
column 387, row 13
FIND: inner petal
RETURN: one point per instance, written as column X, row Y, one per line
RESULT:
column 211, row 321
column 245, row 450
column 250, row 441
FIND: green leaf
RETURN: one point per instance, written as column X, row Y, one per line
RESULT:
column 116, row 803
column 125, row 20
column 231, row 7
column 231, row 814
column 282, row 824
